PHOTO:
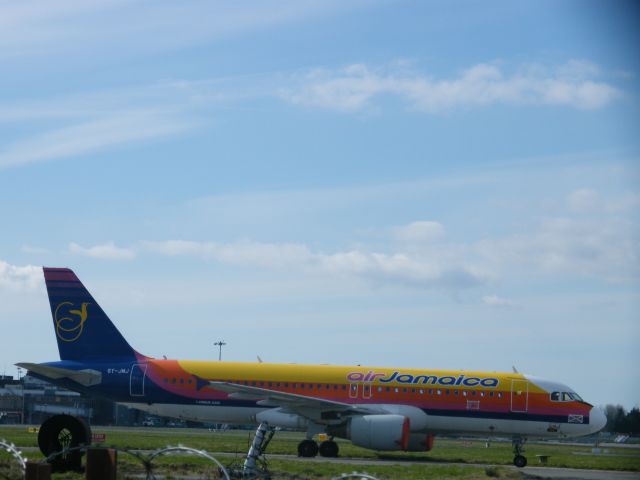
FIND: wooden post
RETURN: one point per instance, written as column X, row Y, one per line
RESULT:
column 37, row 471
column 101, row 464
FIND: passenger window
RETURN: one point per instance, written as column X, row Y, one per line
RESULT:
column 396, row 390
column 379, row 389
column 421, row 392
column 439, row 392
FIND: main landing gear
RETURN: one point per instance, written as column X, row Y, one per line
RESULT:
column 519, row 460
column 309, row 448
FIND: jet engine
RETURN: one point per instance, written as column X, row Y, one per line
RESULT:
column 376, row 432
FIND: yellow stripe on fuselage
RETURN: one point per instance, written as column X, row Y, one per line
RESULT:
column 334, row 374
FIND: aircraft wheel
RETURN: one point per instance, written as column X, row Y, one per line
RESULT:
column 520, row 461
column 329, row 448
column 307, row 448
column 61, row 432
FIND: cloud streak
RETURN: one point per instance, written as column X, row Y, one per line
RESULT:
column 106, row 251
column 358, row 86
column 386, row 268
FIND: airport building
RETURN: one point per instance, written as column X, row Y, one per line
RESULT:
column 30, row 401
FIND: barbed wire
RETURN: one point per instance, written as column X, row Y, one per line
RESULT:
column 14, row 452
column 147, row 459
column 356, row 475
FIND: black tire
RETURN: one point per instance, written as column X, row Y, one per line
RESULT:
column 328, row 449
column 307, row 449
column 520, row 461
column 60, row 432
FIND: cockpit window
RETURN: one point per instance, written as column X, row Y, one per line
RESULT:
column 565, row 397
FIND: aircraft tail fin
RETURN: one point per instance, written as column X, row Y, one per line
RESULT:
column 83, row 330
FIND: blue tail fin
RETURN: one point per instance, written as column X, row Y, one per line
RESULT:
column 82, row 328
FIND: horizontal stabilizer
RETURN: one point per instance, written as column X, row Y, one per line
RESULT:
column 85, row 377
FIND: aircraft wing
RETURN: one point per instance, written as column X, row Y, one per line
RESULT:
column 293, row 402
column 85, row 377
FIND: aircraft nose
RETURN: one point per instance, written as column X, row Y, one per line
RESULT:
column 597, row 419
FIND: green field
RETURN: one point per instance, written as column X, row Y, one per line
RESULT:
column 433, row 464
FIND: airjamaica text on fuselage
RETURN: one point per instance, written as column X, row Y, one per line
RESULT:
column 398, row 377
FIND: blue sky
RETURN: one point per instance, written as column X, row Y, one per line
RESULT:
column 426, row 184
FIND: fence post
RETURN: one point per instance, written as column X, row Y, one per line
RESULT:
column 101, row 464
column 37, row 471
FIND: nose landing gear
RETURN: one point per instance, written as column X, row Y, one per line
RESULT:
column 519, row 460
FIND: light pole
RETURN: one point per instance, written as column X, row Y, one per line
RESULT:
column 21, row 380
column 219, row 344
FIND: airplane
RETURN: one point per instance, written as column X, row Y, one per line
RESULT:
column 387, row 409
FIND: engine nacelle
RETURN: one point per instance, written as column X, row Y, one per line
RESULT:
column 377, row 432
column 420, row 442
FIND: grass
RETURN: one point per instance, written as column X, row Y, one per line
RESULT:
column 433, row 464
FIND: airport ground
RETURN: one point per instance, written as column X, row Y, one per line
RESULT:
column 450, row 458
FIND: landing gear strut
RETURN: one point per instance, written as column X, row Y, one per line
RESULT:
column 519, row 460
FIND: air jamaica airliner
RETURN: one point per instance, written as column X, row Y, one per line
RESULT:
column 375, row 407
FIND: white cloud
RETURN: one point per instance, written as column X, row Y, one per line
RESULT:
column 356, row 86
column 583, row 200
column 20, row 278
column 419, row 232
column 239, row 253
column 107, row 251
column 608, row 248
column 497, row 302
column 587, row 200
column 399, row 268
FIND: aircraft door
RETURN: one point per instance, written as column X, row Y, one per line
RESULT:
column 519, row 395
column 137, row 378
